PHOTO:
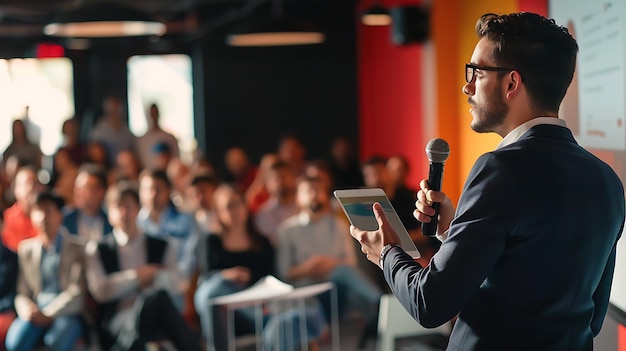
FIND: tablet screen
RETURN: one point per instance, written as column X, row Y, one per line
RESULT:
column 357, row 204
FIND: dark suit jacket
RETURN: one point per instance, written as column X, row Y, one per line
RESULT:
column 70, row 221
column 530, row 255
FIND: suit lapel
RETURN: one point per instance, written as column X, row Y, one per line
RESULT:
column 35, row 272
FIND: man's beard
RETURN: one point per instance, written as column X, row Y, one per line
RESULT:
column 316, row 207
column 490, row 116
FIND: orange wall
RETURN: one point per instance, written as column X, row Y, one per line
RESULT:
column 392, row 97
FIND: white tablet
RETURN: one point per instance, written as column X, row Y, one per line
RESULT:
column 357, row 204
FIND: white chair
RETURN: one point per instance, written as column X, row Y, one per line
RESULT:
column 395, row 322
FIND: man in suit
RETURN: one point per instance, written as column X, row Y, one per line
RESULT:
column 528, row 258
column 88, row 220
column 51, row 285
column 128, row 274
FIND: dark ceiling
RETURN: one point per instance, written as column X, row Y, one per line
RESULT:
column 26, row 18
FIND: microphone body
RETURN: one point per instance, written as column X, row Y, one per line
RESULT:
column 437, row 151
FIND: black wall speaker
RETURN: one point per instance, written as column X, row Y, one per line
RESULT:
column 410, row 24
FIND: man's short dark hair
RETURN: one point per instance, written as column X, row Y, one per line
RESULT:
column 156, row 174
column 543, row 52
column 209, row 179
column 118, row 192
column 96, row 171
column 48, row 196
column 375, row 160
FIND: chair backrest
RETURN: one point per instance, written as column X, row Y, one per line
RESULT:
column 394, row 322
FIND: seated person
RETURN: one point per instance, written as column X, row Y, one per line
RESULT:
column 17, row 224
column 315, row 246
column 51, row 286
column 8, row 272
column 86, row 218
column 159, row 218
column 231, row 261
column 128, row 274
column 280, row 183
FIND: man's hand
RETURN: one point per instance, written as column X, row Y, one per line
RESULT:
column 40, row 319
column 322, row 266
column 372, row 242
column 146, row 274
column 424, row 210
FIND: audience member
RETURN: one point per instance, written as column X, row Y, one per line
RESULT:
column 98, row 154
column 199, row 194
column 127, row 168
column 161, row 156
column 239, row 168
column 230, row 261
column 376, row 175
column 128, row 274
column 292, row 151
column 87, row 218
column 17, row 224
column 257, row 194
column 345, row 164
column 178, row 174
column 71, row 141
column 280, row 183
column 154, row 135
column 111, row 129
column 8, row 283
column 64, row 174
column 51, row 286
column 320, row 168
column 22, row 147
column 314, row 246
column 398, row 168
column 159, row 218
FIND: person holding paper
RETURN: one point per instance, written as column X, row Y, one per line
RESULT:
column 231, row 261
column 528, row 257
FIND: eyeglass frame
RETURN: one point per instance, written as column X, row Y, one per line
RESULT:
column 474, row 67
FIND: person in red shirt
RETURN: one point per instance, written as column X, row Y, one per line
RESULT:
column 17, row 224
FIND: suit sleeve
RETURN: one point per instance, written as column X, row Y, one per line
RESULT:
column 23, row 298
column 107, row 287
column 436, row 293
column 602, row 291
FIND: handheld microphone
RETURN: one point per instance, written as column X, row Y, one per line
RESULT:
column 437, row 151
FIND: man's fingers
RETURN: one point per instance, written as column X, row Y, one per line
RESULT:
column 379, row 213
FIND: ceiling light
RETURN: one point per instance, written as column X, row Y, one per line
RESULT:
column 104, row 20
column 274, row 32
column 278, row 30
column 377, row 15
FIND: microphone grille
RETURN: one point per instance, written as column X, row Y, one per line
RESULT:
column 437, row 150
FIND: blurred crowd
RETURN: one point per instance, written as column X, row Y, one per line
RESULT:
column 120, row 242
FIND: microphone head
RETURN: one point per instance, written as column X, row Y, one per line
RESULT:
column 437, row 150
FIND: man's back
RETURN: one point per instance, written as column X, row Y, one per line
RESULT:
column 537, row 223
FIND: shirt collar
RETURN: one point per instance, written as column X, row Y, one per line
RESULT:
column 122, row 239
column 517, row 133
column 304, row 218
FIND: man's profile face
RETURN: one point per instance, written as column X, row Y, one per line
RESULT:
column 88, row 192
column 488, row 107
column 46, row 218
column 154, row 193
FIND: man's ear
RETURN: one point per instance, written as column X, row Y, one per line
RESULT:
column 513, row 83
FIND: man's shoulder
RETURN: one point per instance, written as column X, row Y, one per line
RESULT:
column 290, row 224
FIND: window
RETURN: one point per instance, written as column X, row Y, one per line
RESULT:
column 164, row 80
column 41, row 92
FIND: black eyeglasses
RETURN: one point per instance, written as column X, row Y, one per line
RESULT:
column 470, row 70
